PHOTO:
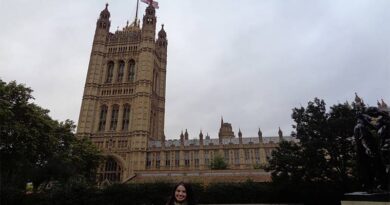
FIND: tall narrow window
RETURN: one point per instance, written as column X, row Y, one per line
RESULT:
column 110, row 72
column 131, row 67
column 226, row 155
column 149, row 160
column 257, row 155
column 187, row 158
column 167, row 159
column 102, row 119
column 126, row 117
column 111, row 171
column 236, row 157
column 121, row 71
column 177, row 158
column 158, row 160
column 196, row 158
column 114, row 117
column 206, row 158
column 246, row 152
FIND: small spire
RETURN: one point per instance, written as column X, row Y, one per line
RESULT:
column 186, row 135
column 239, row 132
column 136, row 13
column 107, row 5
column 259, row 133
column 182, row 136
column 162, row 34
column 280, row 133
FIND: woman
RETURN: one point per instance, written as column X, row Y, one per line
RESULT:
column 182, row 195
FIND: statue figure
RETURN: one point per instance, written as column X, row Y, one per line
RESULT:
column 372, row 139
column 384, row 143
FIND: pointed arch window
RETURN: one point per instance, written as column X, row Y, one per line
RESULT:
column 121, row 71
column 102, row 119
column 131, row 67
column 110, row 72
column 114, row 117
column 111, row 171
column 126, row 117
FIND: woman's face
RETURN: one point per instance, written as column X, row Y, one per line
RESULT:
column 180, row 193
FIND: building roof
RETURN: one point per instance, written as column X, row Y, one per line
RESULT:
column 215, row 141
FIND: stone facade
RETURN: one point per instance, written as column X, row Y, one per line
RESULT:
column 123, row 109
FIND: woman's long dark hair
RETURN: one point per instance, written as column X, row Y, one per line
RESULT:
column 190, row 195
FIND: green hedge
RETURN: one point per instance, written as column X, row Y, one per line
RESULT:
column 158, row 193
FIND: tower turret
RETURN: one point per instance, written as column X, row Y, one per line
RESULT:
column 225, row 131
column 162, row 38
column 149, row 21
column 240, row 136
column 85, row 128
column 201, row 138
column 260, row 135
column 182, row 138
column 186, row 135
column 161, row 46
column 103, row 23
column 280, row 133
column 150, row 85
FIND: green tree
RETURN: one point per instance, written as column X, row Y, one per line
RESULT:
column 324, row 153
column 218, row 162
column 34, row 147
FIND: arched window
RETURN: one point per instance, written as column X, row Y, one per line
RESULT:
column 102, row 119
column 110, row 72
column 121, row 71
column 111, row 171
column 126, row 117
column 148, row 160
column 131, row 67
column 114, row 117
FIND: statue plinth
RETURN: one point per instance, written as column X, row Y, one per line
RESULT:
column 364, row 198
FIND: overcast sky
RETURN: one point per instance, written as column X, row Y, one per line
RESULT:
column 250, row 61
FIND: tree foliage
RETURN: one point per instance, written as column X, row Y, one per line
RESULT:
column 34, row 147
column 325, row 151
column 218, row 163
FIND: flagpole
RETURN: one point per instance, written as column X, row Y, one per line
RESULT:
column 136, row 14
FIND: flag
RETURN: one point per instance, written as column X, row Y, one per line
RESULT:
column 154, row 3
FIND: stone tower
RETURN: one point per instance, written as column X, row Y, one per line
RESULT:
column 225, row 131
column 123, row 104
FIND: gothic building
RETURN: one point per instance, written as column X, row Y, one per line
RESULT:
column 123, row 109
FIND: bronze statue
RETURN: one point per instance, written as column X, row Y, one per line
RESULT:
column 372, row 139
